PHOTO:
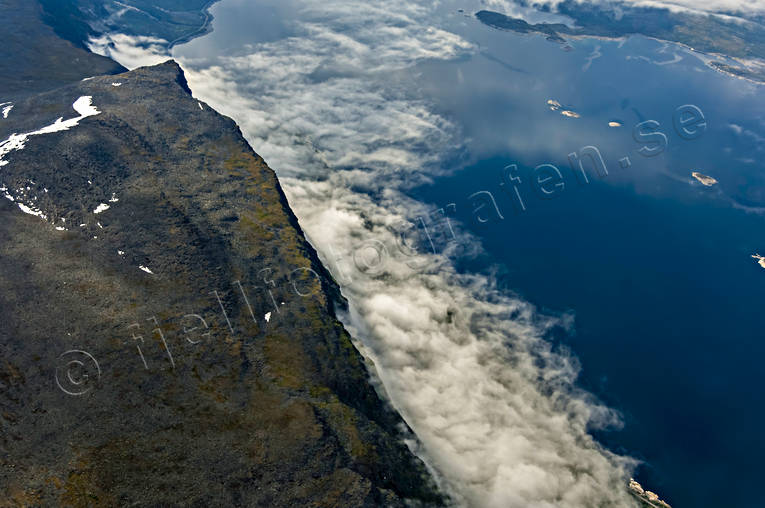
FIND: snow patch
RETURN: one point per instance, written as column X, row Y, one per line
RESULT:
column 101, row 208
column 267, row 317
column 14, row 142
column 145, row 269
column 31, row 211
column 116, row 84
column 83, row 106
column 6, row 109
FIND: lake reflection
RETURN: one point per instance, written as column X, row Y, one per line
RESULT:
column 655, row 266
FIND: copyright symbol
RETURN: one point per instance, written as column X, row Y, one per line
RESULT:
column 76, row 372
column 370, row 257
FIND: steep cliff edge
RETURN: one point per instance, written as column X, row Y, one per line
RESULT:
column 168, row 334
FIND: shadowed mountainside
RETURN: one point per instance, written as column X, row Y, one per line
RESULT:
column 35, row 58
column 174, row 21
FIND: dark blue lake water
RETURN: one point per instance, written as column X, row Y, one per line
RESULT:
column 655, row 267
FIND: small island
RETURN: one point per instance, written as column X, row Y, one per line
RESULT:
column 704, row 179
column 646, row 497
column 557, row 106
column 760, row 259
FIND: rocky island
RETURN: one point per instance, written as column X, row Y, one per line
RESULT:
column 705, row 180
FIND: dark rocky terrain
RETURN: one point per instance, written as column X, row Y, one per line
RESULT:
column 167, row 335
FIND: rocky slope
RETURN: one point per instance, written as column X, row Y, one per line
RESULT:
column 168, row 335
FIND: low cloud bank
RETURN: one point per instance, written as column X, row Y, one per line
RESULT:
column 131, row 51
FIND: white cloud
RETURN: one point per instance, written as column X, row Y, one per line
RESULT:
column 129, row 50
column 705, row 6
column 738, row 6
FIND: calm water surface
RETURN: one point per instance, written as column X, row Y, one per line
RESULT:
column 655, row 268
